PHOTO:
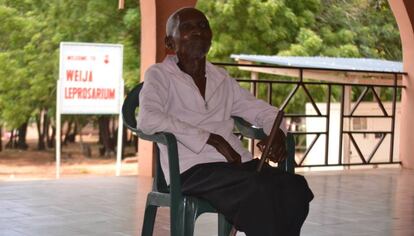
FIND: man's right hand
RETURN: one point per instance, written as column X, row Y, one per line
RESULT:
column 223, row 147
column 277, row 148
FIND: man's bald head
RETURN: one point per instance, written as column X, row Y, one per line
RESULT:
column 188, row 33
column 173, row 20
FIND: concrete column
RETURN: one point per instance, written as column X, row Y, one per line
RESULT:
column 404, row 14
column 154, row 15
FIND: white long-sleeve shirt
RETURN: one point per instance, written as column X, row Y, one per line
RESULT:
column 171, row 102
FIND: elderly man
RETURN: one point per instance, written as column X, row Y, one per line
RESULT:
column 193, row 99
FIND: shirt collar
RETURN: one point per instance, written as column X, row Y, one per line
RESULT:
column 214, row 76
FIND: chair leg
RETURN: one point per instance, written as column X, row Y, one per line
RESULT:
column 189, row 226
column 191, row 213
column 177, row 219
column 224, row 226
column 149, row 220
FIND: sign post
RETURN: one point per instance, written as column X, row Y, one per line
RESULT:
column 90, row 82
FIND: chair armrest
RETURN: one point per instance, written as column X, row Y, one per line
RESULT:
column 157, row 137
column 248, row 130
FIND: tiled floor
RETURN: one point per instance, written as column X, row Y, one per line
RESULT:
column 364, row 202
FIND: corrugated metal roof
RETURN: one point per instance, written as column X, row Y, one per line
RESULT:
column 337, row 63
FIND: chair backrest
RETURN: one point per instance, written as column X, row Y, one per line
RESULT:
column 129, row 107
column 131, row 103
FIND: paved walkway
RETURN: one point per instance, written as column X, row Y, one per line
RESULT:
column 359, row 202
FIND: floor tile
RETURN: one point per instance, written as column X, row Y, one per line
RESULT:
column 376, row 202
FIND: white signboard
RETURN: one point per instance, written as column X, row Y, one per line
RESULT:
column 90, row 82
column 90, row 78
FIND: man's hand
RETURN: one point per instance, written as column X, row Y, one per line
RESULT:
column 277, row 150
column 223, row 147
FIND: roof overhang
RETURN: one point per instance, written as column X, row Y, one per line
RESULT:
column 336, row 70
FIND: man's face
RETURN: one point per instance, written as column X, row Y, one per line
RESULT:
column 191, row 36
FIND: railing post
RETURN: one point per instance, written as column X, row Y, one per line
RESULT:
column 346, row 125
column 328, row 122
column 394, row 104
column 341, row 124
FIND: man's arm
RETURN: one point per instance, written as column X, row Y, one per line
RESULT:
column 255, row 111
column 260, row 114
column 223, row 147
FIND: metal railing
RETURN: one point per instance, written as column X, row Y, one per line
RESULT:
column 301, row 83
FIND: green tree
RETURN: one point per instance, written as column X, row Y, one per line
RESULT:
column 337, row 28
column 29, row 50
column 256, row 26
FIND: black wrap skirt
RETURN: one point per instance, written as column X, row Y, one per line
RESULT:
column 270, row 203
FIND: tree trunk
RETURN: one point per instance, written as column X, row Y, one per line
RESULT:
column 45, row 127
column 41, row 139
column 114, row 132
column 70, row 136
column 21, row 142
column 9, row 144
column 113, row 128
column 105, row 136
column 65, row 139
column 100, row 141
column 51, row 138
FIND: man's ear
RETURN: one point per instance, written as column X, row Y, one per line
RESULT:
column 169, row 43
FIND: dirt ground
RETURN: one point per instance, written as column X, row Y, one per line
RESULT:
column 17, row 165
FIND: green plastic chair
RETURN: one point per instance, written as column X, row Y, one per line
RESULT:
column 184, row 210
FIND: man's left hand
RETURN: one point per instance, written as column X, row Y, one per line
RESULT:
column 277, row 150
